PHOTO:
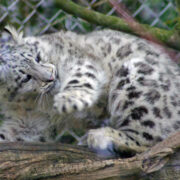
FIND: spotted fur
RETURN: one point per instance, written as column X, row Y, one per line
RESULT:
column 140, row 82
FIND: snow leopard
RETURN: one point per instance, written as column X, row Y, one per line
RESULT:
column 139, row 82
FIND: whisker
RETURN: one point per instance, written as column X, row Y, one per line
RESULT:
column 39, row 100
column 47, row 98
column 43, row 99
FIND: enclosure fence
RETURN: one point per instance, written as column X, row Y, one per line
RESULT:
column 40, row 16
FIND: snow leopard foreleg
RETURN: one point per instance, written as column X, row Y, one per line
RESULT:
column 121, row 136
column 80, row 88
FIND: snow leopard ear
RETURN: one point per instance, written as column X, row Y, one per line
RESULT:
column 17, row 37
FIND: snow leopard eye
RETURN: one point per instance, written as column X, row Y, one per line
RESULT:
column 38, row 58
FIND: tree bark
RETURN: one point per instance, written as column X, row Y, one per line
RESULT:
column 57, row 161
column 167, row 37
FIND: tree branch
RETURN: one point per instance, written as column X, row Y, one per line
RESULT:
column 178, row 6
column 166, row 36
column 177, row 27
column 57, row 161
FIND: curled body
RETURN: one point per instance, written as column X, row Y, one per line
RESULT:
column 139, row 81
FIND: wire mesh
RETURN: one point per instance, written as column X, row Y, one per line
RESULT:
column 43, row 16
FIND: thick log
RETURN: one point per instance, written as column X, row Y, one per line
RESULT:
column 59, row 161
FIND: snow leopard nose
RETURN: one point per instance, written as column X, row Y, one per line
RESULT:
column 44, row 72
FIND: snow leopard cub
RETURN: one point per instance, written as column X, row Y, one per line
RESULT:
column 141, row 83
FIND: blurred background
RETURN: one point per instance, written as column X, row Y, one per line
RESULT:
column 37, row 17
column 43, row 16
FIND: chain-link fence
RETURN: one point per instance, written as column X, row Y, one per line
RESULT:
column 40, row 16
column 43, row 16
